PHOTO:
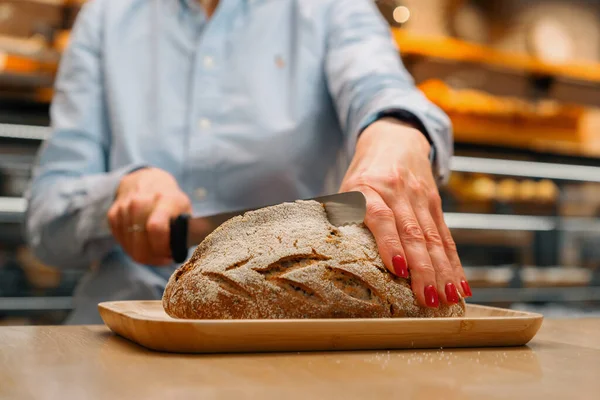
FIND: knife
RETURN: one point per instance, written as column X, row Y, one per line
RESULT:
column 187, row 231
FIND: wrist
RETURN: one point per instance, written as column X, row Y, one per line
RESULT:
column 118, row 176
column 399, row 133
column 128, row 180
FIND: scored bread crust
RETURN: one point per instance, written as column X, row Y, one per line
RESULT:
column 288, row 261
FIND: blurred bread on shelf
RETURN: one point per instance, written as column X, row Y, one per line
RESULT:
column 27, row 55
column 38, row 274
column 484, row 188
column 548, row 30
column 489, row 276
column 507, row 189
column 479, row 117
column 24, row 18
column 470, row 22
column 529, row 276
column 546, row 191
column 527, row 190
column 476, row 103
column 555, row 277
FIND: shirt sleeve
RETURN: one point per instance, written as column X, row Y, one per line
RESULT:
column 366, row 79
column 72, row 189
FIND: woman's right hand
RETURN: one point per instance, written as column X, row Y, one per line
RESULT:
column 139, row 218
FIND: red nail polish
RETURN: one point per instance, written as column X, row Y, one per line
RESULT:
column 451, row 293
column 431, row 297
column 400, row 267
column 466, row 288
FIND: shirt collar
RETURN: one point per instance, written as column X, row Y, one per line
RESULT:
column 191, row 5
column 225, row 6
column 195, row 5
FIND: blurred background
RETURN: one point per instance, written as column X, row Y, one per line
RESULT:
column 520, row 80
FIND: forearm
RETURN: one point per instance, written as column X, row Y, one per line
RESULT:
column 366, row 80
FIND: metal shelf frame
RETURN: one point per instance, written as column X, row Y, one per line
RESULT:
column 12, row 209
column 520, row 222
column 528, row 169
column 25, row 132
column 35, row 303
column 536, row 295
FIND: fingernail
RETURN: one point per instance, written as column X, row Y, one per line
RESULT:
column 400, row 267
column 466, row 288
column 451, row 293
column 431, row 297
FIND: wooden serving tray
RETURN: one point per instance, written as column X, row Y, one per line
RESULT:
column 146, row 323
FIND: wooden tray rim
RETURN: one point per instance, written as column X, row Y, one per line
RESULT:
column 109, row 306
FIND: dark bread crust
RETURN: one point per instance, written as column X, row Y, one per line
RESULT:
column 288, row 261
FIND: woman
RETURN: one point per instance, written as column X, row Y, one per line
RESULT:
column 171, row 106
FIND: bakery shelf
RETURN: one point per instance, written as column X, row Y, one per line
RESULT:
column 520, row 222
column 498, row 72
column 499, row 222
column 35, row 303
column 27, row 54
column 460, row 51
column 530, row 169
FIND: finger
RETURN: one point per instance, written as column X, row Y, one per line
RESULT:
column 158, row 227
column 435, row 207
column 124, row 224
column 444, row 273
column 139, row 210
column 158, row 224
column 114, row 221
column 380, row 221
column 422, row 273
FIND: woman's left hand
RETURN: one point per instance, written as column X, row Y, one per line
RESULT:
column 391, row 168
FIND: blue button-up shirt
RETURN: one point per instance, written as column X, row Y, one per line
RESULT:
column 251, row 107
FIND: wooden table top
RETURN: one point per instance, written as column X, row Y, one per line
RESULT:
column 90, row 362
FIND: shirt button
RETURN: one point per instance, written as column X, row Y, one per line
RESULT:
column 200, row 193
column 204, row 123
column 209, row 62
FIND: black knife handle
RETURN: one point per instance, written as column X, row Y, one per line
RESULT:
column 178, row 238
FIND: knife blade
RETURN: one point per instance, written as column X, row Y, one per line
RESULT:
column 188, row 231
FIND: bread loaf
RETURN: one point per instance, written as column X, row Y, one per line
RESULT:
column 288, row 261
